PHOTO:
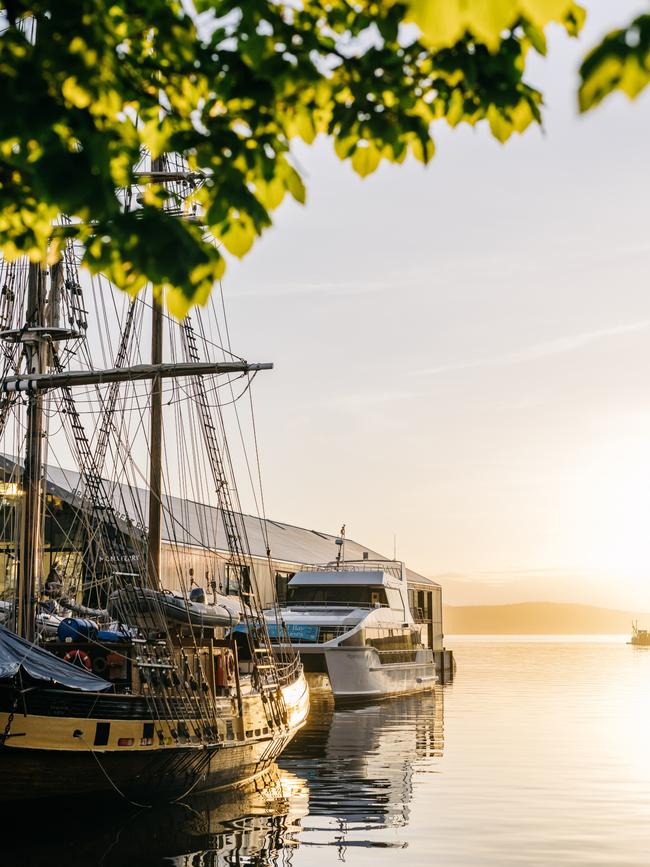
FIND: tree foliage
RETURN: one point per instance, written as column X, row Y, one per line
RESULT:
column 620, row 62
column 89, row 84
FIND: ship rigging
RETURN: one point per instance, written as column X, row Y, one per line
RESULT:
column 145, row 691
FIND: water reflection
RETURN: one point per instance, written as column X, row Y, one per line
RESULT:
column 250, row 825
column 359, row 765
column 348, row 771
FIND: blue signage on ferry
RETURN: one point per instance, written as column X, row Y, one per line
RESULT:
column 301, row 631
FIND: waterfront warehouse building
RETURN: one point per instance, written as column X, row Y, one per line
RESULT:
column 194, row 549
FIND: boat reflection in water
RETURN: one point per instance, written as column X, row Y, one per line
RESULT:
column 359, row 765
column 345, row 780
column 252, row 824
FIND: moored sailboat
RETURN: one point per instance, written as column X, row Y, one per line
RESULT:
column 130, row 690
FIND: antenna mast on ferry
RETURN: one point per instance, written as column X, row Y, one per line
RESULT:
column 340, row 541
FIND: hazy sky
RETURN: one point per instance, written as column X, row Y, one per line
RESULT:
column 463, row 352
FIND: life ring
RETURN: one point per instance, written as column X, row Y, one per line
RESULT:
column 230, row 665
column 79, row 658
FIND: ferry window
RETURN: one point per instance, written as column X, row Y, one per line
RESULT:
column 336, row 595
column 282, row 585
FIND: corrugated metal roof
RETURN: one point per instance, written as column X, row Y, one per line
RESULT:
column 189, row 523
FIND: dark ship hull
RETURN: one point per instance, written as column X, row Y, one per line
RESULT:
column 114, row 747
column 33, row 774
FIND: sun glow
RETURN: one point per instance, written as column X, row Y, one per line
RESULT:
column 611, row 507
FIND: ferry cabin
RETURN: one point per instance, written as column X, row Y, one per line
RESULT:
column 354, row 628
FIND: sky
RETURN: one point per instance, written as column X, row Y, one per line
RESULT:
column 462, row 352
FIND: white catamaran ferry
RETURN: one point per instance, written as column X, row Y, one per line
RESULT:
column 353, row 625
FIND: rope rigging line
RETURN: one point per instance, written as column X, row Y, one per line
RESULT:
column 101, row 522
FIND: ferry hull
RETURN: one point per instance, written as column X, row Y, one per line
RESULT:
column 356, row 675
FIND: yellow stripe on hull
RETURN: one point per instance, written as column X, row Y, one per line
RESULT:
column 74, row 734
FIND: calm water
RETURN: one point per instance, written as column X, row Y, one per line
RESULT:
column 537, row 754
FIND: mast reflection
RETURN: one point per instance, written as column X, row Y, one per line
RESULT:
column 253, row 825
column 359, row 763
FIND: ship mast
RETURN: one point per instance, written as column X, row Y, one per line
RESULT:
column 155, row 438
column 30, row 557
column 155, row 452
column 40, row 332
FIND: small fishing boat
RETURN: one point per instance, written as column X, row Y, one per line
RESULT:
column 353, row 626
column 640, row 637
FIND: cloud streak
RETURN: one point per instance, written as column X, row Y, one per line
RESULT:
column 559, row 346
column 365, row 399
column 306, row 289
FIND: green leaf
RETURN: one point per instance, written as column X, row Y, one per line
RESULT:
column 456, row 108
column 423, row 151
column 365, row 159
column 501, row 127
column 75, row 94
column 537, row 37
column 542, row 12
column 343, row 147
column 575, row 19
column 295, row 185
column 270, row 194
column 238, row 235
column 441, row 21
column 306, row 127
column 487, row 19
column 521, row 116
column 620, row 62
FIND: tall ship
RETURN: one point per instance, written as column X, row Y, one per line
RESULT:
column 109, row 682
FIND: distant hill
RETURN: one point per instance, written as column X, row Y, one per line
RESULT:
column 539, row 618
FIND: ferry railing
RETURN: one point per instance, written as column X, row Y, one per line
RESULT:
column 394, row 567
column 325, row 603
